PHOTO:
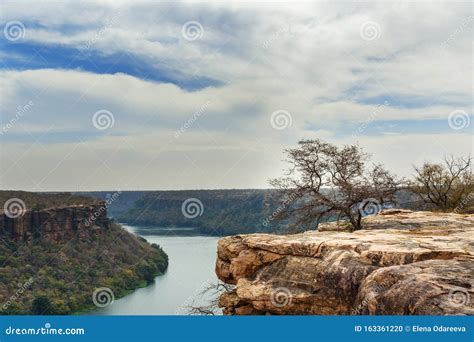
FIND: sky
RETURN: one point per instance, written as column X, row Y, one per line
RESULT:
column 122, row 95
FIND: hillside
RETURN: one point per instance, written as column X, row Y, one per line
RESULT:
column 42, row 200
column 219, row 212
column 56, row 253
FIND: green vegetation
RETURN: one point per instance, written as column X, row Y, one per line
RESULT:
column 44, row 277
column 224, row 212
column 42, row 200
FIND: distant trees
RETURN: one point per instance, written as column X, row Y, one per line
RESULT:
column 446, row 186
column 325, row 182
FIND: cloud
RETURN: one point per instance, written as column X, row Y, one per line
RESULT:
column 204, row 106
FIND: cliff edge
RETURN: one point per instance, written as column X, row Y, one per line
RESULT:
column 402, row 263
column 62, row 255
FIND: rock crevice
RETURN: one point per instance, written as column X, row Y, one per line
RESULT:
column 55, row 224
column 402, row 263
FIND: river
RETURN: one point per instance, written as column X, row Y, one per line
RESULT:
column 190, row 270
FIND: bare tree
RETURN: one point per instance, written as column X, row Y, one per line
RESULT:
column 332, row 182
column 215, row 290
column 444, row 185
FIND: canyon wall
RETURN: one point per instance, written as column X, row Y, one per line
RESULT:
column 56, row 223
column 402, row 263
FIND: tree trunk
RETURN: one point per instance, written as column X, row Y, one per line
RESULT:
column 356, row 223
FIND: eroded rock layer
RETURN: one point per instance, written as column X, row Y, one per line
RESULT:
column 55, row 224
column 402, row 263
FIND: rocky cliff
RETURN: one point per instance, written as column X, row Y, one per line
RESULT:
column 55, row 223
column 402, row 263
column 78, row 260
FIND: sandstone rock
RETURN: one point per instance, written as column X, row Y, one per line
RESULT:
column 55, row 224
column 403, row 263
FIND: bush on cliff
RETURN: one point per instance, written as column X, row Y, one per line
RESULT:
column 447, row 186
column 60, row 278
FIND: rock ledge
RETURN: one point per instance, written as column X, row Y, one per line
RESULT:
column 402, row 263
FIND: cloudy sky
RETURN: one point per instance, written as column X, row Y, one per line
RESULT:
column 179, row 95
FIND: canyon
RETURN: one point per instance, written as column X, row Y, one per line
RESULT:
column 401, row 263
column 65, row 250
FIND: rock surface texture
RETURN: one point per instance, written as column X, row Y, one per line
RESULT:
column 55, row 224
column 402, row 263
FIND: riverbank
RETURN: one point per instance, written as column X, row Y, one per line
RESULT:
column 72, row 276
column 190, row 271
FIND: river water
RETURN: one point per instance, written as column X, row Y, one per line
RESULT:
column 190, row 271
